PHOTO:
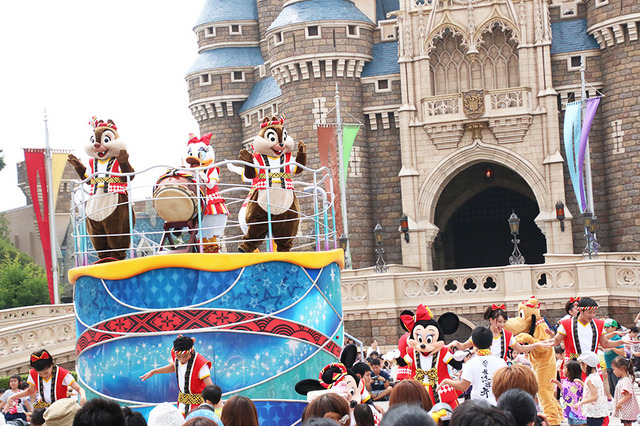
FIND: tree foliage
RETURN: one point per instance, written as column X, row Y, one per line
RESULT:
column 22, row 281
column 1, row 160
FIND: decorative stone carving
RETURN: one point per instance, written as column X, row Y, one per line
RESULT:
column 510, row 129
column 445, row 135
column 473, row 103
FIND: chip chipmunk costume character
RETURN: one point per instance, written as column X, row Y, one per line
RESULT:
column 107, row 209
column 530, row 327
column 192, row 370
column 272, row 192
column 427, row 353
column 214, row 218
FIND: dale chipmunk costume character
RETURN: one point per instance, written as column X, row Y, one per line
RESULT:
column 530, row 327
column 272, row 148
column 107, row 209
column 427, row 354
column 214, row 219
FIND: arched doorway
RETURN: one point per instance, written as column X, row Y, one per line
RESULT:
column 472, row 214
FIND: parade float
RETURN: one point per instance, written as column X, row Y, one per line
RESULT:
column 264, row 319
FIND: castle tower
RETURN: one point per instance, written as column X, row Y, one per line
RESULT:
column 314, row 45
column 615, row 25
column 222, row 76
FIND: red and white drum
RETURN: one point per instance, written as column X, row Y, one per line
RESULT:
column 176, row 196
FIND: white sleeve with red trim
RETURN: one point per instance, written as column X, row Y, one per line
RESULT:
column 561, row 330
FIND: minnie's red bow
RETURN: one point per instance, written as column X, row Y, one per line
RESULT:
column 423, row 313
column 495, row 307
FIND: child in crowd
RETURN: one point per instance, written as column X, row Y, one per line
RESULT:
column 478, row 371
column 571, row 387
column 17, row 411
column 212, row 406
column 626, row 403
column 594, row 403
column 48, row 380
column 190, row 385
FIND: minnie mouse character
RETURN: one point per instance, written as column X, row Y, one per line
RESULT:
column 427, row 354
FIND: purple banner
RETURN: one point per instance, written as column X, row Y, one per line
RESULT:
column 592, row 105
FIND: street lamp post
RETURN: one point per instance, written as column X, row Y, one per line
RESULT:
column 516, row 257
column 381, row 266
column 344, row 244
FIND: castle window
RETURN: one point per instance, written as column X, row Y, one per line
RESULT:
column 262, row 70
column 574, row 63
column 313, row 31
column 383, row 85
column 600, row 3
column 616, row 136
column 237, row 76
column 277, row 38
column 353, row 31
column 205, row 80
column 235, row 29
column 210, row 32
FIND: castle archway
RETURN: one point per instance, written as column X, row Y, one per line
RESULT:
column 516, row 180
column 472, row 213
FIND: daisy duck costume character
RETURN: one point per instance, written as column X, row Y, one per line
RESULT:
column 427, row 354
column 192, row 370
column 214, row 219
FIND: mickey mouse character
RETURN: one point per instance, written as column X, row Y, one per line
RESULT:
column 427, row 353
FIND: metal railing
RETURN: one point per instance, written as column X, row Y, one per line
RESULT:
column 314, row 194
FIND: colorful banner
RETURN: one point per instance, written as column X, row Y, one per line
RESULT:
column 571, row 144
column 329, row 158
column 58, row 163
column 37, row 176
column 592, row 106
column 349, row 133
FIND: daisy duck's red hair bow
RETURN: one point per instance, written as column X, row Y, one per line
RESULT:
column 204, row 139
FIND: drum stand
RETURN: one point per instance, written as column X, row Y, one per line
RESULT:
column 175, row 228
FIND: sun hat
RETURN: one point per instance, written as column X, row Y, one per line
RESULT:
column 589, row 358
column 61, row 412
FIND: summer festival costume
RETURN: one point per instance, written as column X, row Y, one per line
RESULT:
column 501, row 344
column 48, row 394
column 190, row 380
column 580, row 337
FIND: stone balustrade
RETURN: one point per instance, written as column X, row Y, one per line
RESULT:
column 613, row 283
column 57, row 333
column 9, row 317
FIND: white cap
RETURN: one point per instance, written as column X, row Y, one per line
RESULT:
column 589, row 358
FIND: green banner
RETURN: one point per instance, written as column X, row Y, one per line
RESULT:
column 349, row 133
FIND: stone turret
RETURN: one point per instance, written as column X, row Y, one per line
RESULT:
column 222, row 76
column 314, row 45
column 615, row 25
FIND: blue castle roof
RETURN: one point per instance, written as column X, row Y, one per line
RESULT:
column 385, row 6
column 261, row 92
column 227, row 57
column 318, row 10
column 571, row 36
column 385, row 60
column 227, row 10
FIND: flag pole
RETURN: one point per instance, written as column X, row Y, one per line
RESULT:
column 343, row 181
column 52, row 215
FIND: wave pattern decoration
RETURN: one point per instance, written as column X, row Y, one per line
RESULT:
column 264, row 326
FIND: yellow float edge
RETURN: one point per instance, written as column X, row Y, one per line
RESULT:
column 213, row 262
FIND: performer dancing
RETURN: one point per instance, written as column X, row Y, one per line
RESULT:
column 502, row 339
column 192, row 371
column 48, row 380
